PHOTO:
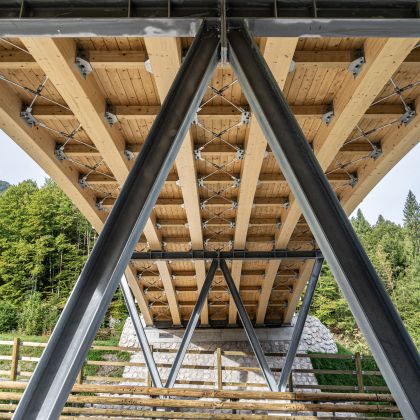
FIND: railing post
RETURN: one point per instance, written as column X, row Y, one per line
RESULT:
column 79, row 379
column 15, row 359
column 358, row 362
column 291, row 381
column 149, row 377
column 219, row 369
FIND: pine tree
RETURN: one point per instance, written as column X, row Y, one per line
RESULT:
column 412, row 222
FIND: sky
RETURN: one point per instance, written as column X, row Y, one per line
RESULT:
column 387, row 198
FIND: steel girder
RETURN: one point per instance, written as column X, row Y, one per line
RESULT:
column 73, row 335
column 394, row 352
column 300, row 324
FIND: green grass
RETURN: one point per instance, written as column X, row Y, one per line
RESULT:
column 368, row 364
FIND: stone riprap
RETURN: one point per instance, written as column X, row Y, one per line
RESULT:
column 316, row 338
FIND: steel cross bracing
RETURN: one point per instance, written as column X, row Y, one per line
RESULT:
column 54, row 376
column 394, row 352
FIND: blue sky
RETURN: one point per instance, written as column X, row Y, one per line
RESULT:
column 386, row 199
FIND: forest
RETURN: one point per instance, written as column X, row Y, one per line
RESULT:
column 44, row 242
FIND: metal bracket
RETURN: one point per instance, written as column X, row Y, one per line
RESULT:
column 100, row 204
column 59, row 152
column 353, row 180
column 83, row 181
column 410, row 113
column 200, row 182
column 84, row 66
column 236, row 182
column 376, row 152
column 128, row 153
column 328, row 115
column 240, row 154
column 245, row 117
column 197, row 154
column 356, row 65
column 110, row 116
column 27, row 116
column 148, row 66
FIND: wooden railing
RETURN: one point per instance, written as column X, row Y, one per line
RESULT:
column 16, row 364
column 114, row 396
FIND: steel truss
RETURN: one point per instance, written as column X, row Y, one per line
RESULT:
column 391, row 346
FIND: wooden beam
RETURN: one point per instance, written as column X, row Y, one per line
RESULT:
column 40, row 146
column 165, row 58
column 84, row 98
column 278, row 55
column 149, row 112
column 395, row 145
column 383, row 58
column 122, row 59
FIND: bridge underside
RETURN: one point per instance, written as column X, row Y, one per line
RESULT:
column 82, row 105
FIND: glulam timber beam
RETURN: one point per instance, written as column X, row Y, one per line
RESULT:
column 383, row 58
column 165, row 56
column 149, row 112
column 135, row 59
column 395, row 145
column 56, row 58
column 278, row 54
column 40, row 146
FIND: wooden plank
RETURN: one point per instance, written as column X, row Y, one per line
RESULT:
column 278, row 55
column 56, row 57
column 165, row 57
column 383, row 58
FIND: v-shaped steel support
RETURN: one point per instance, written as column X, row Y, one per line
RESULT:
column 394, row 352
column 141, row 335
column 55, row 374
column 249, row 329
column 300, row 324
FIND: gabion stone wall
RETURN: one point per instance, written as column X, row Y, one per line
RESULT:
column 316, row 337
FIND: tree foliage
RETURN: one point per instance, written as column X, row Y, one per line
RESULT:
column 394, row 252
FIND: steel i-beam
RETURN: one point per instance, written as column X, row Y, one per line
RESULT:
column 249, row 329
column 192, row 325
column 141, row 335
column 300, row 324
column 394, row 352
column 73, row 335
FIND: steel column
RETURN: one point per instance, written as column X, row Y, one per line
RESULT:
column 395, row 353
column 73, row 335
column 141, row 335
column 300, row 324
column 249, row 329
column 192, row 325
column 278, row 254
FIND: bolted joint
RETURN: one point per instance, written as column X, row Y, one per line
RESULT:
column 353, row 180
column 376, row 151
column 240, row 154
column 83, row 181
column 110, row 116
column 408, row 116
column 59, row 152
column 356, row 65
column 128, row 153
column 328, row 115
column 27, row 116
column 200, row 182
column 84, row 66
column 100, row 204
column 197, row 154
column 245, row 117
